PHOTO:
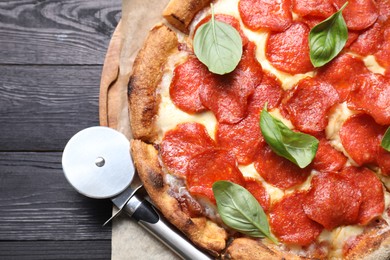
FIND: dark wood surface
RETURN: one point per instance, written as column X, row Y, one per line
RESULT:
column 51, row 57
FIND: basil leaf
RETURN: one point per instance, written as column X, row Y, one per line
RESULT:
column 297, row 147
column 240, row 210
column 328, row 38
column 218, row 45
column 386, row 140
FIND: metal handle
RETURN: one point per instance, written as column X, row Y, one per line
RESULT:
column 150, row 219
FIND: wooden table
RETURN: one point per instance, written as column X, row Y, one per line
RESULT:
column 51, row 56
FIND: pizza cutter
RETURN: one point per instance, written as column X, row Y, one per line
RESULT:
column 97, row 163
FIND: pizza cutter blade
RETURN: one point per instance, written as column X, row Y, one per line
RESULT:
column 97, row 163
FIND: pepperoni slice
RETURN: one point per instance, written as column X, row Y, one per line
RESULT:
column 264, row 14
column 184, row 88
column 367, row 42
column 279, row 171
column 181, row 143
column 231, row 20
column 308, row 104
column 228, row 95
column 316, row 8
column 360, row 138
column 269, row 91
column 352, row 36
column 341, row 71
column 384, row 10
column 327, row 158
column 310, row 21
column 208, row 167
column 289, row 222
column 288, row 51
column 258, row 191
column 382, row 56
column 359, row 14
column 333, row 200
column 371, row 188
column 227, row 107
column 242, row 138
column 372, row 95
column 248, row 73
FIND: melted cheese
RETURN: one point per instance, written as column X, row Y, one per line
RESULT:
column 339, row 114
column 227, row 7
column 169, row 116
column 276, row 114
column 373, row 66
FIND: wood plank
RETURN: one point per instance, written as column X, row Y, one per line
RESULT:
column 56, row 32
column 43, row 106
column 42, row 250
column 37, row 202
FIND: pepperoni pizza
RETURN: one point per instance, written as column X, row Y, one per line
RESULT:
column 193, row 128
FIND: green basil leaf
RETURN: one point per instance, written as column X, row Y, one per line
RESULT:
column 386, row 140
column 218, row 45
column 297, row 147
column 328, row 38
column 240, row 210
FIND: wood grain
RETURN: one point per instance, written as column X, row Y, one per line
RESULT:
column 51, row 57
column 43, row 106
column 45, row 250
column 56, row 32
column 37, row 202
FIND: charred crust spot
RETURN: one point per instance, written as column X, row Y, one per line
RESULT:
column 188, row 205
column 156, row 179
column 156, row 146
column 188, row 224
column 130, row 86
column 149, row 109
column 377, row 223
column 177, row 18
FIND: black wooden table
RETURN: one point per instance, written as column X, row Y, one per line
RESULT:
column 51, row 57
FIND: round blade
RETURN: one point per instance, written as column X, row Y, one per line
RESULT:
column 97, row 162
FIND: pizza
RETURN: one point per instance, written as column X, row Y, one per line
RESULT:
column 204, row 139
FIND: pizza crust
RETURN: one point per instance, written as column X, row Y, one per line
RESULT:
column 180, row 13
column 373, row 244
column 247, row 248
column 203, row 232
column 143, row 99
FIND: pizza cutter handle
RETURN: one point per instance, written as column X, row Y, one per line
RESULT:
column 149, row 218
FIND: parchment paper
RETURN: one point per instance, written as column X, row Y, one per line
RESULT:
column 129, row 240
